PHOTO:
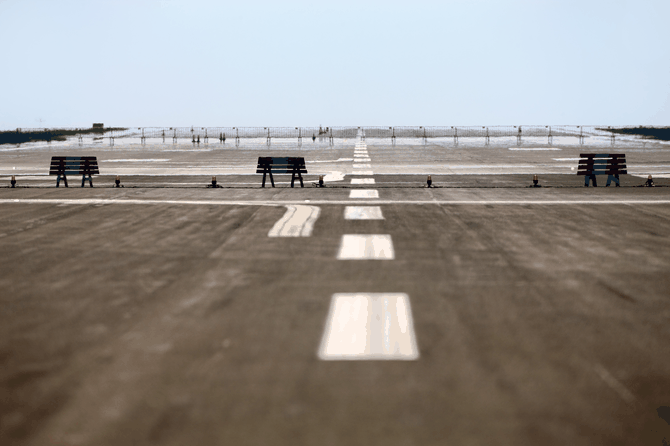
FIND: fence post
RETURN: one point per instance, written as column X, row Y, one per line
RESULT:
column 611, row 135
column 487, row 136
column 455, row 135
column 142, row 139
column 518, row 136
column 581, row 134
column 550, row 138
column 174, row 137
column 237, row 136
column 206, row 137
column 163, row 133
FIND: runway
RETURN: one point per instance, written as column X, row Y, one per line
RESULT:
column 483, row 313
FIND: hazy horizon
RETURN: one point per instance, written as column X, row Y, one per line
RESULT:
column 173, row 63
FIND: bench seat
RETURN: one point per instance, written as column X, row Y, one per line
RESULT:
column 74, row 165
column 295, row 166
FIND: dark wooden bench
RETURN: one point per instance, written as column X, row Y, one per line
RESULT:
column 592, row 164
column 74, row 165
column 281, row 165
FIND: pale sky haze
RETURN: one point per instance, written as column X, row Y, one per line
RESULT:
column 365, row 63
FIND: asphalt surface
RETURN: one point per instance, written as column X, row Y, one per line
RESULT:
column 163, row 313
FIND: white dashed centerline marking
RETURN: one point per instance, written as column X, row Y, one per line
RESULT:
column 366, row 247
column 363, row 213
column 298, row 221
column 362, row 181
column 362, row 160
column 364, row 193
column 369, row 326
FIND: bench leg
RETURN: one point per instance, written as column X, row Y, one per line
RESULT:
column 292, row 178
column 272, row 180
column 64, row 180
column 301, row 183
column 263, row 185
column 589, row 178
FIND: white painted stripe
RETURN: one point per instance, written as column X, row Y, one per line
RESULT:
column 366, row 246
column 362, row 181
column 364, row 193
column 362, row 172
column 369, row 326
column 362, row 155
column 363, row 213
column 362, row 166
column 534, row 148
column 85, row 201
column 298, row 221
column 362, row 160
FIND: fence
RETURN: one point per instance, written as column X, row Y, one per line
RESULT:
column 197, row 134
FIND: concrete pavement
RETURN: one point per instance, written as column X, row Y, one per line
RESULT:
column 541, row 316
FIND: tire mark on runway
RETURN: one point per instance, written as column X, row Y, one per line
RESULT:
column 611, row 381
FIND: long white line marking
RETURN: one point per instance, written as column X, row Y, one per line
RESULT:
column 84, row 201
column 364, row 193
column 362, row 160
column 534, row 148
column 365, row 247
column 298, row 221
column 369, row 326
column 362, row 181
column 361, row 172
column 363, row 213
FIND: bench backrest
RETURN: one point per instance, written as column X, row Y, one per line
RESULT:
column 74, row 165
column 602, row 164
column 281, row 164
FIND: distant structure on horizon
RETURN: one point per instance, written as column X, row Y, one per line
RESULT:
column 98, row 125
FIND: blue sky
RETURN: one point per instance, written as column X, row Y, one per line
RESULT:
column 260, row 63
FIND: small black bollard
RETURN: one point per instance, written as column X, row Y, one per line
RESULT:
column 535, row 182
column 214, row 184
column 429, row 181
column 118, row 181
column 13, row 182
